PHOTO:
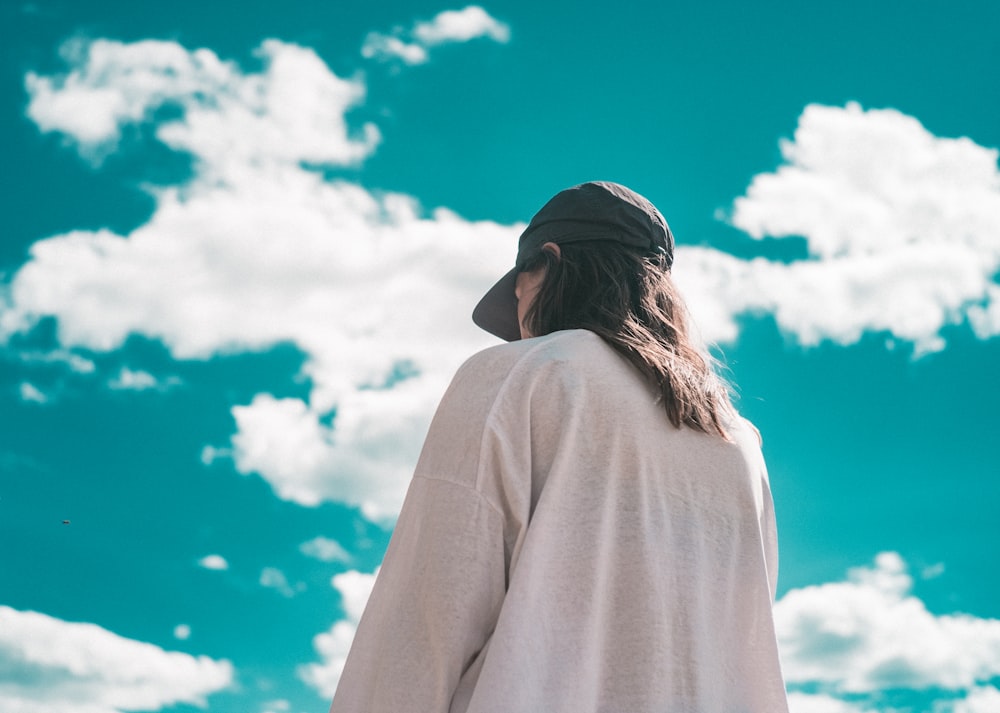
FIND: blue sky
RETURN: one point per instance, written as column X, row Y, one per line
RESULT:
column 239, row 248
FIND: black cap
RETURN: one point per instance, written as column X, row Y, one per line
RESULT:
column 598, row 210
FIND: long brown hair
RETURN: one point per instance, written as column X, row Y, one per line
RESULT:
column 629, row 299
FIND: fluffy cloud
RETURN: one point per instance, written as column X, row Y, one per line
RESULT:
column 292, row 111
column 366, row 458
column 986, row 318
column 88, row 669
column 217, row 562
column 258, row 251
column 855, row 638
column 128, row 379
column 325, row 550
column 387, row 47
column 461, row 26
column 902, row 227
column 984, row 699
column 411, row 47
column 31, row 393
column 334, row 645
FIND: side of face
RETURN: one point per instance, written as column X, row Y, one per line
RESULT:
column 527, row 286
column 526, row 289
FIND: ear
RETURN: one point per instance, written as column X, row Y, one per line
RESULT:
column 552, row 248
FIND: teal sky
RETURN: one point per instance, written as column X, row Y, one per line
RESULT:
column 227, row 309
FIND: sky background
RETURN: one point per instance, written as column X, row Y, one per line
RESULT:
column 240, row 242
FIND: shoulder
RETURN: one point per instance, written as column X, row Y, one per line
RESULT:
column 511, row 375
column 527, row 359
column 566, row 345
column 548, row 378
column 495, row 394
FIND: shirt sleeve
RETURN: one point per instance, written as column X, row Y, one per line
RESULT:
column 434, row 604
column 438, row 595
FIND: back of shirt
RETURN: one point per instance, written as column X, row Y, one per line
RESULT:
column 565, row 548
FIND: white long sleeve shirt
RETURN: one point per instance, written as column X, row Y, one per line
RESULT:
column 564, row 549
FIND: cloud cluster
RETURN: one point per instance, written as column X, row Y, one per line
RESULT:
column 292, row 111
column 411, row 47
column 903, row 231
column 334, row 645
column 54, row 666
column 258, row 250
column 851, row 639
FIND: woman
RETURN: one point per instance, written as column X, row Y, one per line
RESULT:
column 589, row 527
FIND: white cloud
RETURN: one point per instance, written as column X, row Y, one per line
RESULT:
column 903, row 229
column 984, row 699
column 88, row 669
column 307, row 462
column 217, row 562
column 210, row 454
column 870, row 633
column 986, row 318
column 274, row 578
column 138, row 380
column 292, row 111
column 182, row 632
column 355, row 588
column 75, row 362
column 325, row 550
column 932, row 571
column 820, row 703
column 277, row 706
column 257, row 251
column 461, row 26
column 334, row 645
column 379, row 46
column 411, row 47
column 362, row 285
column 32, row 394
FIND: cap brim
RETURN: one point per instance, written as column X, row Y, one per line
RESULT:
column 497, row 310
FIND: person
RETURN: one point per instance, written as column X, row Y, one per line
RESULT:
column 590, row 526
